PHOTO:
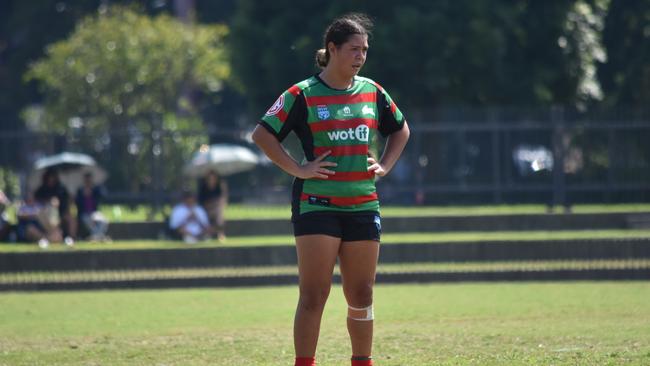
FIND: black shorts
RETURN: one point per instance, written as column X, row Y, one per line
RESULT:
column 347, row 226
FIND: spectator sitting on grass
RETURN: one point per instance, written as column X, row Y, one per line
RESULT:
column 5, row 226
column 38, row 223
column 89, row 217
column 189, row 220
column 213, row 197
column 52, row 190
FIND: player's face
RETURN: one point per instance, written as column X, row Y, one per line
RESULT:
column 351, row 55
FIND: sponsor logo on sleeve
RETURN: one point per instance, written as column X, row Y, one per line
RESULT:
column 276, row 107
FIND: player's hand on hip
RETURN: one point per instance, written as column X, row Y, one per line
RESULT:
column 317, row 168
column 375, row 167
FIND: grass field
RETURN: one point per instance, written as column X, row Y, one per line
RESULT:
column 242, row 212
column 572, row 323
column 387, row 239
column 459, row 324
column 266, row 271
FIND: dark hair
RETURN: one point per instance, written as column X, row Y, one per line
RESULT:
column 50, row 172
column 212, row 172
column 339, row 31
column 187, row 194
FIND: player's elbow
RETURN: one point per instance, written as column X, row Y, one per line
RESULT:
column 258, row 136
column 405, row 131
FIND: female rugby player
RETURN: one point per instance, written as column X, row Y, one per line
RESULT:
column 335, row 211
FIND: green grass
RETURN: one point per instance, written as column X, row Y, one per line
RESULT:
column 388, row 239
column 520, row 209
column 247, row 212
column 416, row 325
column 383, row 268
column 124, row 213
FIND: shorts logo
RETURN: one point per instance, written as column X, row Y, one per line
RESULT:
column 323, row 112
column 276, row 107
column 378, row 223
column 368, row 110
column 361, row 133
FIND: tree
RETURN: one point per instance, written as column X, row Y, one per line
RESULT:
column 625, row 75
column 119, row 77
column 25, row 27
column 429, row 53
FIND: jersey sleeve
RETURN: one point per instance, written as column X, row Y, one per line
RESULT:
column 390, row 117
column 285, row 114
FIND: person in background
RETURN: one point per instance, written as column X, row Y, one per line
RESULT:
column 87, row 200
column 189, row 220
column 38, row 223
column 5, row 226
column 213, row 196
column 50, row 189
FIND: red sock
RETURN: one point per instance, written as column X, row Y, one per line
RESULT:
column 305, row 361
column 361, row 361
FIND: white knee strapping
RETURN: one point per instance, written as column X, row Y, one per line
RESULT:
column 361, row 314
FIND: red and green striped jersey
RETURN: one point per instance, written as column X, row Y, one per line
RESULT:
column 344, row 122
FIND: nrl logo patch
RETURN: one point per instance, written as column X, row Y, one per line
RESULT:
column 276, row 107
column 323, row 112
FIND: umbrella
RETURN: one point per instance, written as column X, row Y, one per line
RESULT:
column 71, row 168
column 225, row 159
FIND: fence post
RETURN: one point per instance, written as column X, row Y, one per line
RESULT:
column 494, row 123
column 419, row 196
column 156, row 153
column 611, row 152
column 559, row 178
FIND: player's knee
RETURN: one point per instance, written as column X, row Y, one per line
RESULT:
column 313, row 299
column 360, row 295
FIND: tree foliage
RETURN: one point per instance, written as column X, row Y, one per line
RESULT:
column 126, row 74
column 433, row 53
column 626, row 36
column 122, row 66
column 25, row 28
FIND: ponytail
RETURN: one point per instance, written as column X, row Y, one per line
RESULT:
column 322, row 58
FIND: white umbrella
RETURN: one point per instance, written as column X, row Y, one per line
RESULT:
column 225, row 159
column 71, row 168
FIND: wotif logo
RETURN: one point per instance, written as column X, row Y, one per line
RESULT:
column 361, row 133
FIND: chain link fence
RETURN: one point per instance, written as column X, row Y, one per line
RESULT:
column 555, row 156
